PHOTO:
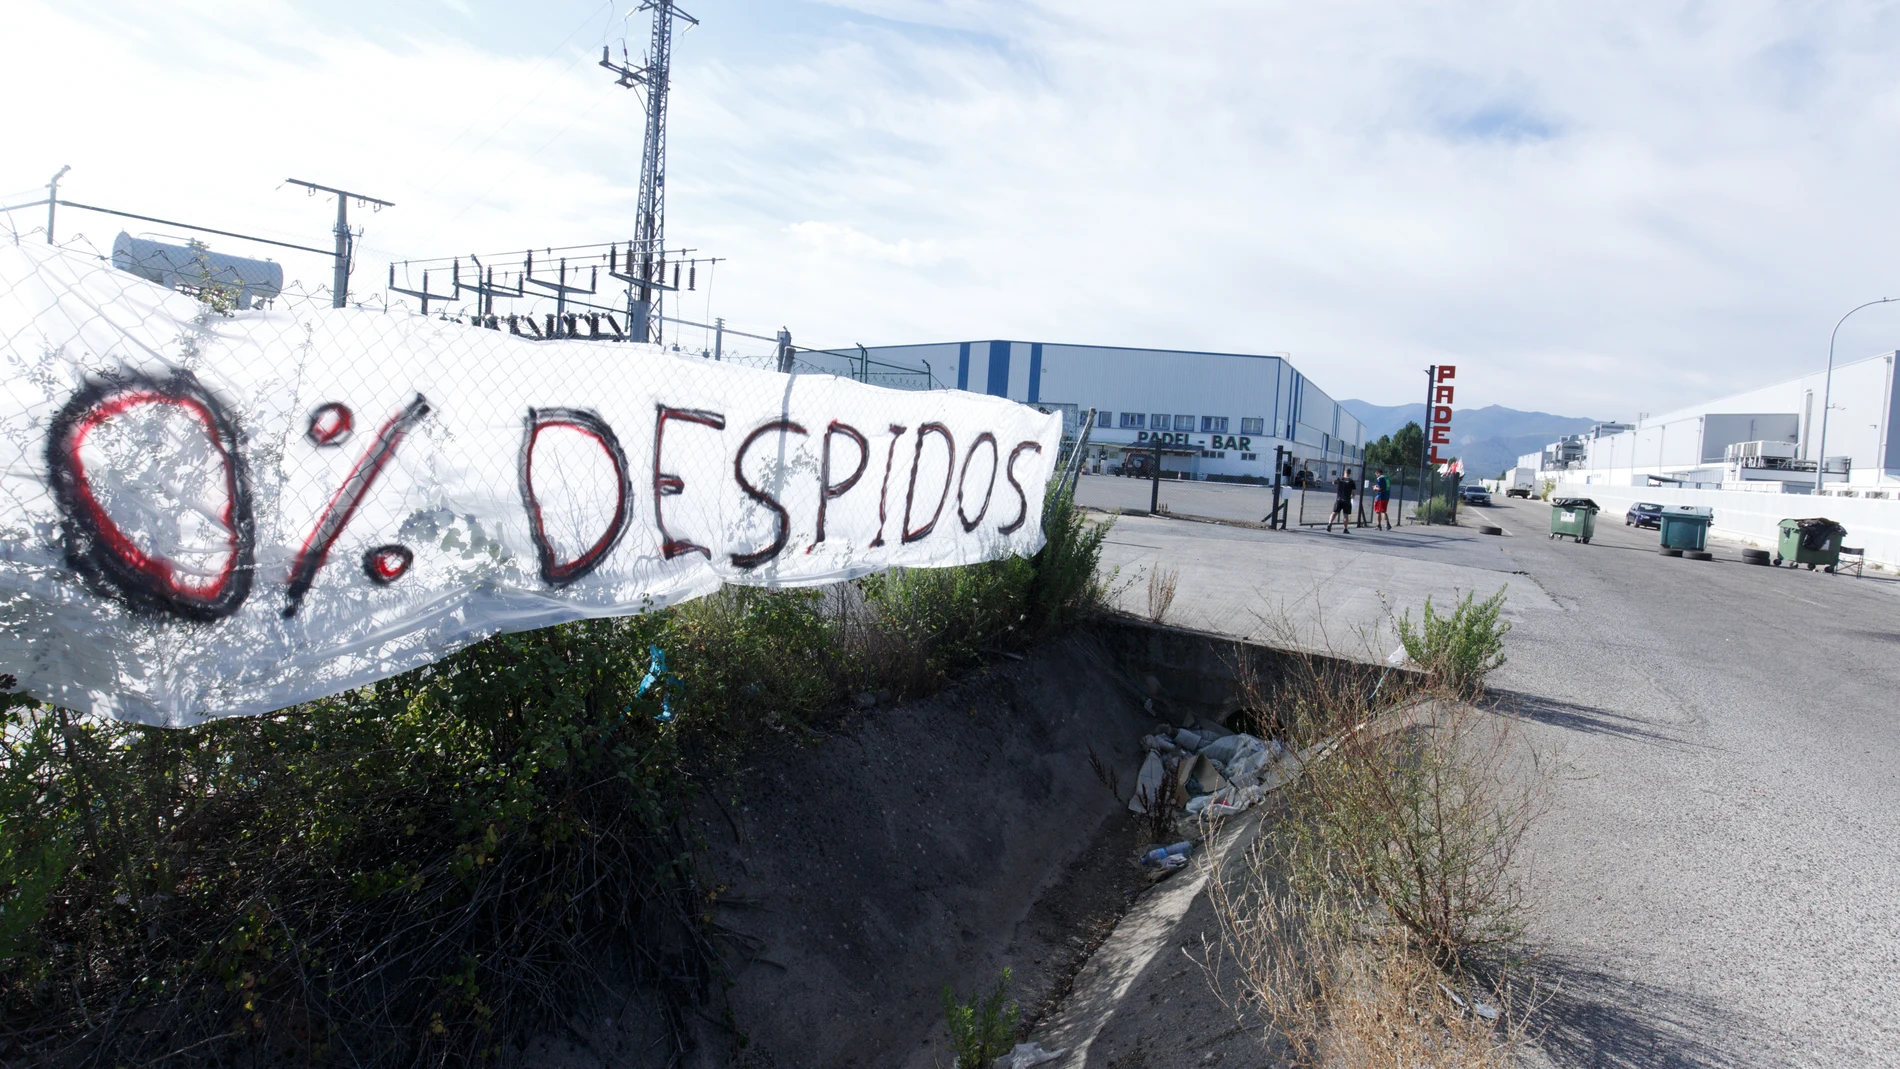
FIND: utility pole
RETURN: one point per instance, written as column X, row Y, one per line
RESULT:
column 340, row 279
column 52, row 199
column 650, row 220
column 785, row 351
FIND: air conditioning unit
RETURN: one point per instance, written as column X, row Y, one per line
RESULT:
column 1746, row 451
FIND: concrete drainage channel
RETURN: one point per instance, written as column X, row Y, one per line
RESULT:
column 936, row 842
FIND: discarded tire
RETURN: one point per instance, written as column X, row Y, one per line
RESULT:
column 1491, row 530
column 1667, row 552
column 1754, row 556
column 1697, row 554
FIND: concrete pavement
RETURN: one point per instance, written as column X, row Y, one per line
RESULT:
column 1718, row 874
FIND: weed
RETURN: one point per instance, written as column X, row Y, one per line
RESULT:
column 980, row 1032
column 1387, row 882
column 1421, row 813
column 1341, row 991
column 1067, row 582
column 1156, row 827
column 1456, row 651
column 1162, row 582
column 1105, row 774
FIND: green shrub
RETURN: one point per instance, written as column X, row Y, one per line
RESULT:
column 1456, row 651
column 1435, row 510
column 980, row 1032
column 1423, row 820
column 413, row 871
column 440, row 864
column 1066, row 582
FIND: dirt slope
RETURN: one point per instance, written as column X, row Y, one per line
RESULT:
column 913, row 849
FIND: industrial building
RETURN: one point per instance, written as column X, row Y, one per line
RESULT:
column 1753, row 457
column 1211, row 415
column 1765, row 440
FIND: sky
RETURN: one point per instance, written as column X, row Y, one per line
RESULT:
column 1590, row 209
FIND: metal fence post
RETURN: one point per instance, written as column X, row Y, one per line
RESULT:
column 1154, row 490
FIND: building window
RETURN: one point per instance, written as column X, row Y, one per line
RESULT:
column 1133, row 421
column 1213, row 424
column 1158, row 421
column 1103, row 417
column 1184, row 423
column 1253, row 425
column 1250, row 456
column 1214, row 454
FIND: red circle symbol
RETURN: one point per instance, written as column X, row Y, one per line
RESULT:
column 331, row 424
column 386, row 564
column 208, row 583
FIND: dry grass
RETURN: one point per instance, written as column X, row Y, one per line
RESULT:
column 1344, row 987
column 1379, row 909
column 1162, row 582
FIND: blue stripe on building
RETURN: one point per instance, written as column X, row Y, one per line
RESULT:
column 999, row 369
column 1035, row 372
column 963, row 366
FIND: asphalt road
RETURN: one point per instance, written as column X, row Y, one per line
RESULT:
column 1717, row 877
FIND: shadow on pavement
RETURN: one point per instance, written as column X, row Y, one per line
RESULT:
column 1582, row 718
column 1590, row 1018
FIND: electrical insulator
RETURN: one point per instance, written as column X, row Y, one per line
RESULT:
column 676, row 276
column 692, row 277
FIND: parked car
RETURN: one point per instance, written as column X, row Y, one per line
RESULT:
column 1475, row 495
column 1643, row 514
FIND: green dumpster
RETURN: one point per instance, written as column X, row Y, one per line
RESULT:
column 1573, row 517
column 1685, row 527
column 1815, row 542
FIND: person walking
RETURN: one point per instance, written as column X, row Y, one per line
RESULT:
column 1381, row 496
column 1342, row 504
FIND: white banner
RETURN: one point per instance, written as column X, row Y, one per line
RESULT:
column 206, row 515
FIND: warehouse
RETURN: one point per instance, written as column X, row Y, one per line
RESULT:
column 1211, row 415
column 1767, row 439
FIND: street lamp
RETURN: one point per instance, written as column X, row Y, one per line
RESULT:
column 1827, row 390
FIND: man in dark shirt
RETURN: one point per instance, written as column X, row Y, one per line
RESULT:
column 1342, row 504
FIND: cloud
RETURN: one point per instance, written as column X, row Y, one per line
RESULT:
column 832, row 242
column 1592, row 209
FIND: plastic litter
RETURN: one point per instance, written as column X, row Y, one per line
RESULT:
column 1221, row 750
column 1187, row 740
column 1148, row 784
column 1161, row 854
column 1251, row 756
column 1024, row 1055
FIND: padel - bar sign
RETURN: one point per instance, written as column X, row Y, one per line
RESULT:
column 1438, row 411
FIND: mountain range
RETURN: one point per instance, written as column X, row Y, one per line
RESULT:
column 1488, row 439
